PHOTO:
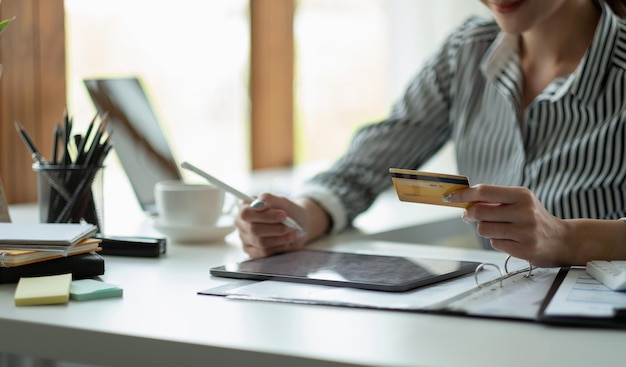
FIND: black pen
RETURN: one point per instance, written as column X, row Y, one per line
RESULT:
column 29, row 143
column 66, row 159
column 55, row 143
column 83, row 143
column 95, row 144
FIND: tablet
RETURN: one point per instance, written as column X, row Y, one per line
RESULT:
column 364, row 271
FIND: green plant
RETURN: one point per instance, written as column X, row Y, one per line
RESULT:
column 5, row 23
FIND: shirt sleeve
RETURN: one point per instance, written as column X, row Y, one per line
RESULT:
column 416, row 128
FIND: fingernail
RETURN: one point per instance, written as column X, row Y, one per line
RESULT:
column 257, row 204
column 464, row 217
column 447, row 198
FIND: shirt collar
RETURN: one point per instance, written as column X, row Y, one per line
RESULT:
column 503, row 50
column 501, row 67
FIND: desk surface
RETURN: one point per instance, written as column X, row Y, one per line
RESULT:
column 161, row 321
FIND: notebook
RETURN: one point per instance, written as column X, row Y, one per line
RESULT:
column 12, row 258
column 44, row 236
column 81, row 266
column 138, row 137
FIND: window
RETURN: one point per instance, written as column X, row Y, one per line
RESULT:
column 352, row 60
column 193, row 58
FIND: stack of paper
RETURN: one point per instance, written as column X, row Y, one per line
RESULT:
column 10, row 258
column 44, row 236
column 41, row 249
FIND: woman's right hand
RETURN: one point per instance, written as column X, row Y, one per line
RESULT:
column 261, row 229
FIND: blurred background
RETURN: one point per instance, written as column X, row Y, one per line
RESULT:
column 238, row 85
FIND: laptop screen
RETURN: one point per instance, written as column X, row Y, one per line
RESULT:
column 137, row 136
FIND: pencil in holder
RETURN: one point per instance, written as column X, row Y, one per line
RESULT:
column 70, row 194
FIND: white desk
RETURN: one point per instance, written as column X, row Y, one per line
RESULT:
column 161, row 321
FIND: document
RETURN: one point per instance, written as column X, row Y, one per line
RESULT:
column 517, row 297
column 581, row 298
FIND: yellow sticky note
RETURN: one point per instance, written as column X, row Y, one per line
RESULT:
column 43, row 290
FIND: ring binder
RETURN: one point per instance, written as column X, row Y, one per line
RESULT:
column 504, row 275
column 480, row 268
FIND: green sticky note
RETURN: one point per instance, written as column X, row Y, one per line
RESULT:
column 43, row 290
column 88, row 289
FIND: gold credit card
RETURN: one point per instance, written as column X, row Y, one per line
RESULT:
column 427, row 187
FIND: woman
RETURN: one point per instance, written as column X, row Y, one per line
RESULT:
column 534, row 102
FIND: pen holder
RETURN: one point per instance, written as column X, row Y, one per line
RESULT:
column 70, row 194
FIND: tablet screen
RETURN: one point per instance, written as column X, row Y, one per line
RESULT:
column 365, row 271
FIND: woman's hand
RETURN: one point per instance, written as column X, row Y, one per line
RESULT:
column 263, row 234
column 515, row 222
column 261, row 229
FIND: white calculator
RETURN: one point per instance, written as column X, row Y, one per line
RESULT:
column 610, row 273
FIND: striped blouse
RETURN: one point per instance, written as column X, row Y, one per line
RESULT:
column 567, row 145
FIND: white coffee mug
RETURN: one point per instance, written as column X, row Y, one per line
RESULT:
column 185, row 204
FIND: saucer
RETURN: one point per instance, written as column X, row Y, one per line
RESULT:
column 183, row 233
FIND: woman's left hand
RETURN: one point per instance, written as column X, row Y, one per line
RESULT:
column 515, row 222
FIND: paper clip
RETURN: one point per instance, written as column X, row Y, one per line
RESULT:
column 506, row 274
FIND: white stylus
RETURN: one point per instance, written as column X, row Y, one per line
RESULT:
column 253, row 203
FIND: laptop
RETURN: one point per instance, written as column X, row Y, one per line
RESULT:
column 137, row 135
